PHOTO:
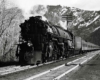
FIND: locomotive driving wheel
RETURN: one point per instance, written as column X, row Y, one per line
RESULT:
column 28, row 56
column 56, row 51
column 66, row 52
column 47, row 52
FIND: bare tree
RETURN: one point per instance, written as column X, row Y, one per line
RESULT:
column 9, row 22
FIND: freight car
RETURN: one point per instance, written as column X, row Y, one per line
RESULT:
column 40, row 41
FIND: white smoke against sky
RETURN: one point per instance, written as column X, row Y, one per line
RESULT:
column 63, row 23
column 28, row 7
column 39, row 9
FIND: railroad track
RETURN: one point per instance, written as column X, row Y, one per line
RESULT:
column 58, row 72
column 12, row 69
column 37, row 76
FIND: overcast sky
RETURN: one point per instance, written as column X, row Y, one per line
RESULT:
column 82, row 4
column 27, row 5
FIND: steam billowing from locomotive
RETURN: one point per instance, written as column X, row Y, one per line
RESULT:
column 29, row 8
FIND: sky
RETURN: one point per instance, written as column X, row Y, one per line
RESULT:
column 82, row 4
column 27, row 5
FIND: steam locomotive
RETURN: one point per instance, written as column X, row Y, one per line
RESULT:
column 41, row 41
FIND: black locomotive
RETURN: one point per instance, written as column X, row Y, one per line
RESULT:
column 40, row 41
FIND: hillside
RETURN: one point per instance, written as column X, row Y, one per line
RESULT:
column 95, row 37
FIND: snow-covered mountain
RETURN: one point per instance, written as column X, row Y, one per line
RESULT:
column 85, row 23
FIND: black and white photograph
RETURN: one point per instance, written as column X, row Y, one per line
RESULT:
column 49, row 39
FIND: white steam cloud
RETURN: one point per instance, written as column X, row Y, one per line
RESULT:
column 63, row 24
column 28, row 7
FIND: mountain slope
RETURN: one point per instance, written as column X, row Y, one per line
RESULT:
column 84, row 22
column 95, row 37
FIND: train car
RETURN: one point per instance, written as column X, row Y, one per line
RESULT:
column 81, row 46
column 87, row 46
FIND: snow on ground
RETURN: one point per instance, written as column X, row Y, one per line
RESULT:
column 96, row 29
column 93, row 20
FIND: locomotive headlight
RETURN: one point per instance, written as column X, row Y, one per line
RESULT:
column 29, row 44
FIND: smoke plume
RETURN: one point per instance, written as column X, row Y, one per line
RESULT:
column 28, row 7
